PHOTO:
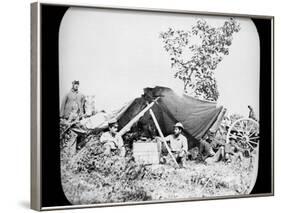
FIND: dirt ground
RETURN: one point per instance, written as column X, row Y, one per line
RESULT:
column 89, row 177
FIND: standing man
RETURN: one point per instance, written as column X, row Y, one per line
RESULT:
column 252, row 114
column 73, row 103
column 178, row 144
column 112, row 141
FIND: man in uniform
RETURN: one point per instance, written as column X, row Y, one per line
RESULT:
column 178, row 144
column 112, row 141
column 225, row 152
column 73, row 103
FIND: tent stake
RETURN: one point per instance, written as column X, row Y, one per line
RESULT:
column 161, row 135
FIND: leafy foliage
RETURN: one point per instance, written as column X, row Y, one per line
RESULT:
column 88, row 176
column 196, row 53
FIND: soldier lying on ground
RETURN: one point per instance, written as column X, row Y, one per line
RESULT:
column 112, row 141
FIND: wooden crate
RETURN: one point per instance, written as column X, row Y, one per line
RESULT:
column 146, row 153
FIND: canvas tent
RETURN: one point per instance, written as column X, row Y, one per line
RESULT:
column 197, row 116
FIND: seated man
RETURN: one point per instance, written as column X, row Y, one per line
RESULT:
column 227, row 152
column 233, row 151
column 178, row 144
column 113, row 142
column 205, row 149
column 219, row 155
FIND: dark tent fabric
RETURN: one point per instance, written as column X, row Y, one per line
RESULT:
column 197, row 116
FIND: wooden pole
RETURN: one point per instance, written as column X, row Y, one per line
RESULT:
column 136, row 118
column 161, row 135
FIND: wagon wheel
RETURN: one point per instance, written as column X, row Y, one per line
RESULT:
column 245, row 132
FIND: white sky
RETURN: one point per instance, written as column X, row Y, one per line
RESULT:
column 115, row 54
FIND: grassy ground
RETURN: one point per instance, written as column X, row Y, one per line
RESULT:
column 89, row 177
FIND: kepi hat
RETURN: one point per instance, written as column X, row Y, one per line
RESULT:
column 75, row 82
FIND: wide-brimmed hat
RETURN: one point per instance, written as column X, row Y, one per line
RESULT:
column 179, row 125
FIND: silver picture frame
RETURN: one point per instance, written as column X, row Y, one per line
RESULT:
column 38, row 112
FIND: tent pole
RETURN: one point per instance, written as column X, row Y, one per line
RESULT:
column 136, row 118
column 161, row 135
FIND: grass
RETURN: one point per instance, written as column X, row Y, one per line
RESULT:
column 90, row 177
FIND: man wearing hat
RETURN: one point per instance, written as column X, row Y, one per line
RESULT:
column 178, row 143
column 73, row 103
column 111, row 140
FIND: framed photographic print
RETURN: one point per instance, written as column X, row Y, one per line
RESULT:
column 139, row 106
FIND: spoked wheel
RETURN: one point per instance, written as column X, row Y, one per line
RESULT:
column 245, row 132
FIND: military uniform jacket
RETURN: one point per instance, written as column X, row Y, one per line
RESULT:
column 73, row 102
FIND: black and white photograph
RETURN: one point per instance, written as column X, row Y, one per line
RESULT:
column 157, row 106
column 140, row 106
